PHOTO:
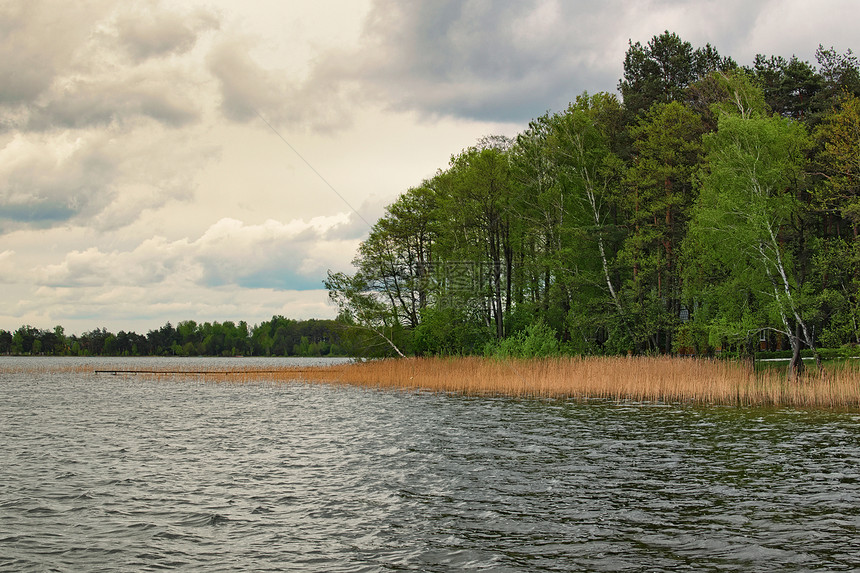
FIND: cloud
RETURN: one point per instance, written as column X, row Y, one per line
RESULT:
column 103, row 179
column 82, row 64
column 142, row 308
column 512, row 60
column 232, row 271
column 502, row 61
column 103, row 101
column 39, row 39
column 293, row 255
column 272, row 254
column 49, row 179
column 146, row 34
column 248, row 89
column 7, row 264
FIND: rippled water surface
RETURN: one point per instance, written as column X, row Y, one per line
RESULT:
column 112, row 473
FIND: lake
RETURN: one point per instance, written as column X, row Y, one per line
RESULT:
column 128, row 473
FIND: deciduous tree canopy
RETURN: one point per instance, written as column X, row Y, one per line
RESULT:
column 712, row 208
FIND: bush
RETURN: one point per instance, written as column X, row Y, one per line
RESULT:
column 537, row 340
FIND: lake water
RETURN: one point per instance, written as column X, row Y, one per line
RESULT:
column 112, row 473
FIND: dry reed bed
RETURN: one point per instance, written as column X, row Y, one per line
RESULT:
column 14, row 368
column 649, row 379
column 661, row 379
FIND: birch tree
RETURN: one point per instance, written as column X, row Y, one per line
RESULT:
column 590, row 173
column 748, row 214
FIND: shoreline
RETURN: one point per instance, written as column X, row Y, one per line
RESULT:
column 639, row 379
column 662, row 379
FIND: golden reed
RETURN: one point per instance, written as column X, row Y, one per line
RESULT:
column 643, row 379
column 662, row 379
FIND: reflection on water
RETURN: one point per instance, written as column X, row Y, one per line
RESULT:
column 115, row 473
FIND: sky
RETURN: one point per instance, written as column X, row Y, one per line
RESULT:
column 211, row 160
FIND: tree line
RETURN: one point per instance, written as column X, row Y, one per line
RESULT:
column 713, row 207
column 276, row 337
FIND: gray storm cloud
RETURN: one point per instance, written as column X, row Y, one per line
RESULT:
column 85, row 88
column 76, row 65
column 512, row 60
column 497, row 61
column 145, row 34
column 38, row 41
column 246, row 87
column 248, row 90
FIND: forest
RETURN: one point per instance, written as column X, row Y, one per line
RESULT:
column 712, row 208
column 276, row 337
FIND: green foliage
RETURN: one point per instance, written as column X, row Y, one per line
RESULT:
column 610, row 222
column 838, row 137
column 659, row 192
column 447, row 330
column 750, row 221
column 307, row 338
column 661, row 70
column 790, row 86
column 538, row 340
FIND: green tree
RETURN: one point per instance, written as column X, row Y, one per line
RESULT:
column 837, row 289
column 538, row 201
column 188, row 337
column 660, row 195
column 5, row 342
column 840, row 74
column 661, row 70
column 362, row 306
column 476, row 203
column 838, row 136
column 397, row 257
column 838, row 194
column 790, row 86
column 23, row 339
column 589, row 176
column 747, row 219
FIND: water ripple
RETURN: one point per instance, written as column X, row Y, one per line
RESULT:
column 116, row 474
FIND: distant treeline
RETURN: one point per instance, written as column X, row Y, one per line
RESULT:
column 276, row 337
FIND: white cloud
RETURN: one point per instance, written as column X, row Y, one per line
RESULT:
column 145, row 33
column 269, row 255
column 272, row 254
column 249, row 90
column 82, row 64
column 140, row 309
column 503, row 61
column 7, row 264
column 232, row 271
column 39, row 39
column 100, row 178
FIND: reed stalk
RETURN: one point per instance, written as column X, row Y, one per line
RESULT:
column 640, row 379
column 658, row 379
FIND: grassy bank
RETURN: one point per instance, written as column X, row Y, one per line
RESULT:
column 662, row 379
